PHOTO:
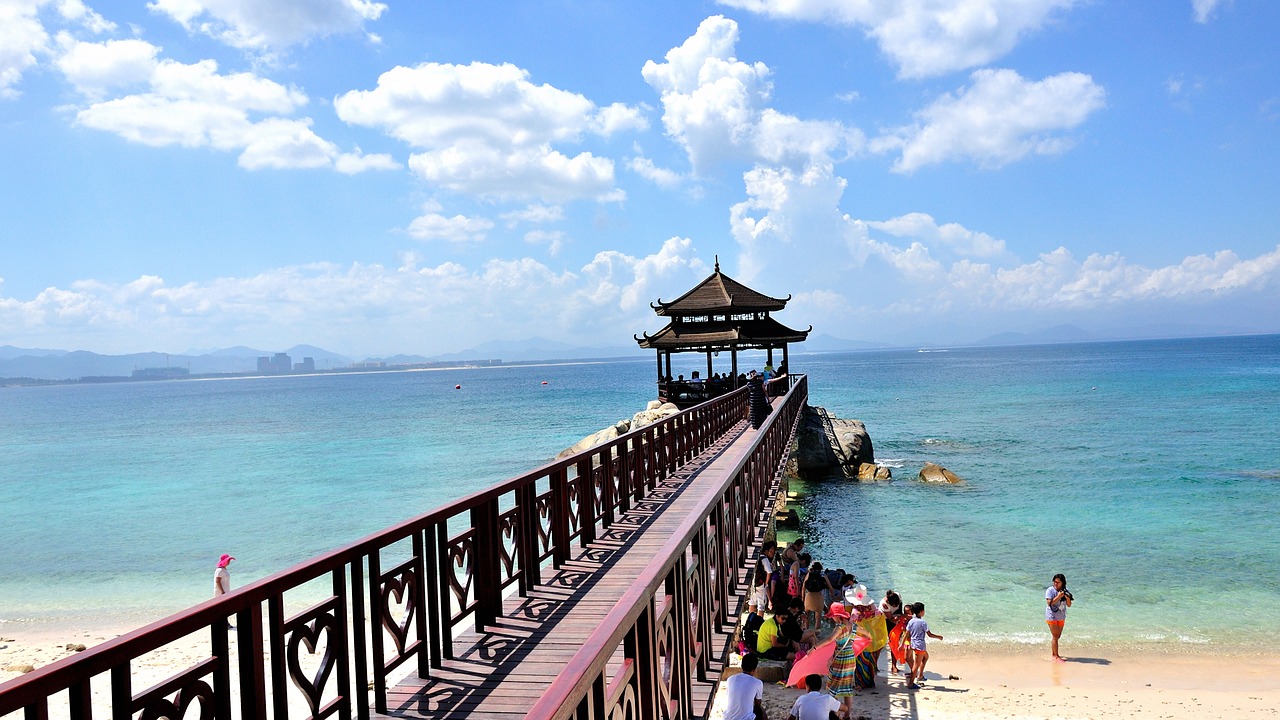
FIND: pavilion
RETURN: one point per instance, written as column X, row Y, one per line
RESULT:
column 719, row 314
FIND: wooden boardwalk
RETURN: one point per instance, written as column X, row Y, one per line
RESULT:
column 502, row 671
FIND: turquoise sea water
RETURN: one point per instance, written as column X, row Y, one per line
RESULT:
column 1147, row 472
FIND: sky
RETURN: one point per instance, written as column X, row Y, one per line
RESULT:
column 422, row 177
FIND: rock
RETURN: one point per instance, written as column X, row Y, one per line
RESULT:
column 934, row 473
column 623, row 427
column 771, row 671
column 883, row 473
column 787, row 517
column 20, row 668
column 590, row 441
column 867, row 472
column 76, row 647
column 652, row 415
column 829, row 446
column 653, row 405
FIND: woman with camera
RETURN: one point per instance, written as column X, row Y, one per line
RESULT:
column 1058, row 598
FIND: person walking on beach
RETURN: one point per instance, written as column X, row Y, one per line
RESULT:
column 918, row 630
column 222, row 576
column 1057, row 599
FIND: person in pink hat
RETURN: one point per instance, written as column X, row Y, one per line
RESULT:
column 844, row 660
column 222, row 576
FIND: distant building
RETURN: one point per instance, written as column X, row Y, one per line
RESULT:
column 308, row 365
column 276, row 364
column 161, row 373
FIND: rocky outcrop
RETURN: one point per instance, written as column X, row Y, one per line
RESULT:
column 652, row 413
column 831, row 447
column 934, row 473
column 870, row 472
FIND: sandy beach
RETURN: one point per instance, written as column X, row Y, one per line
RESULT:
column 986, row 684
column 964, row 683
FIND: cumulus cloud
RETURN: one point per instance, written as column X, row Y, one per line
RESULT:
column 487, row 130
column 716, row 107
column 999, row 118
column 24, row 39
column 267, row 26
column 662, row 177
column 927, row 38
column 194, row 105
column 957, row 238
column 553, row 239
column 456, row 229
column 358, row 307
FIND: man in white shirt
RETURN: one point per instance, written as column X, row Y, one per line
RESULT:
column 745, row 693
column 815, row 705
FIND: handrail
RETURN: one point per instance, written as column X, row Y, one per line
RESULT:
column 582, row 690
column 448, row 579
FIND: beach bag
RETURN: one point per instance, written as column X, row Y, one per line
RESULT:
column 751, row 631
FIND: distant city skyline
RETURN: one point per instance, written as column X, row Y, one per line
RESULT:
column 394, row 177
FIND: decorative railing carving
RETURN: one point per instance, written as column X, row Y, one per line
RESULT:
column 447, row 570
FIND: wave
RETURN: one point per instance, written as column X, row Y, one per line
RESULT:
column 894, row 463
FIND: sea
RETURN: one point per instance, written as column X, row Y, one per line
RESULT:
column 1147, row 472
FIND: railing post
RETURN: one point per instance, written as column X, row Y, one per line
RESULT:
column 560, row 517
column 252, row 670
column 359, row 637
column 121, row 692
column 488, row 573
column 343, row 668
column 586, row 501
column 527, row 537
column 608, row 498
column 376, row 632
column 436, row 601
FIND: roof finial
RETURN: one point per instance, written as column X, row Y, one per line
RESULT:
column 717, row 263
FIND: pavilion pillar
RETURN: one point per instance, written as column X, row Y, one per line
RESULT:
column 734, row 351
column 668, row 363
column 708, row 378
column 769, row 355
column 659, row 351
column 784, row 358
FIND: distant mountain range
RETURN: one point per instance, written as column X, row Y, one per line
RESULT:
column 50, row 364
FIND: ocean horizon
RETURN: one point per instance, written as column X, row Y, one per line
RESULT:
column 1146, row 471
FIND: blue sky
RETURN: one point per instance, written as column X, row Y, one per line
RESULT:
column 422, row 177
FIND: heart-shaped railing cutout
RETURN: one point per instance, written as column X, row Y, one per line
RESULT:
column 397, row 617
column 165, row 709
column 312, row 634
column 460, row 558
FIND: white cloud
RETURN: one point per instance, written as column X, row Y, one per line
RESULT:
column 926, row 38
column 536, row 214
column 716, row 107
column 1202, row 10
column 359, row 307
column 456, row 229
column 194, row 105
column 486, row 130
column 553, row 239
column 24, row 39
column 356, row 162
column 1001, row 117
column 661, row 177
column 266, row 26
column 956, row 237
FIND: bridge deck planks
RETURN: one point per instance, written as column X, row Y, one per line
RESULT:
column 502, row 671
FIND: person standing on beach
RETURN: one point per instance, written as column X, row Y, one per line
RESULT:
column 918, row 630
column 1057, row 599
column 222, row 576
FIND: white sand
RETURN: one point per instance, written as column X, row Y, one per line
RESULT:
column 989, row 683
column 1026, row 684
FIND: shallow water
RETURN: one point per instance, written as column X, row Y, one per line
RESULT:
column 1147, row 472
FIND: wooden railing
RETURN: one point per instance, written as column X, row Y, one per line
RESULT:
column 416, row 583
column 663, row 624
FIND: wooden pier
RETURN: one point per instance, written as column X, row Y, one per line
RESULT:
column 603, row 585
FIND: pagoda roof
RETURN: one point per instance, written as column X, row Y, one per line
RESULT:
column 741, row 333
column 719, row 292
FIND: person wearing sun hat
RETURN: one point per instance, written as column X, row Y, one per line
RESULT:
column 844, row 659
column 870, row 621
column 222, row 576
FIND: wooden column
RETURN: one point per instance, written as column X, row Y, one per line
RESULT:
column 734, row 349
column 708, row 378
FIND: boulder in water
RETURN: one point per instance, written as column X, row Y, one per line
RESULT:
column 934, row 473
column 831, row 447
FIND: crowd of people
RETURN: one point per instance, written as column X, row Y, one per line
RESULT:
column 799, row 608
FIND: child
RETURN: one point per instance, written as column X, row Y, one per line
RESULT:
column 918, row 629
column 898, row 646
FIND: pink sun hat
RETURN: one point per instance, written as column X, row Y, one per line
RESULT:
column 838, row 610
column 225, row 560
